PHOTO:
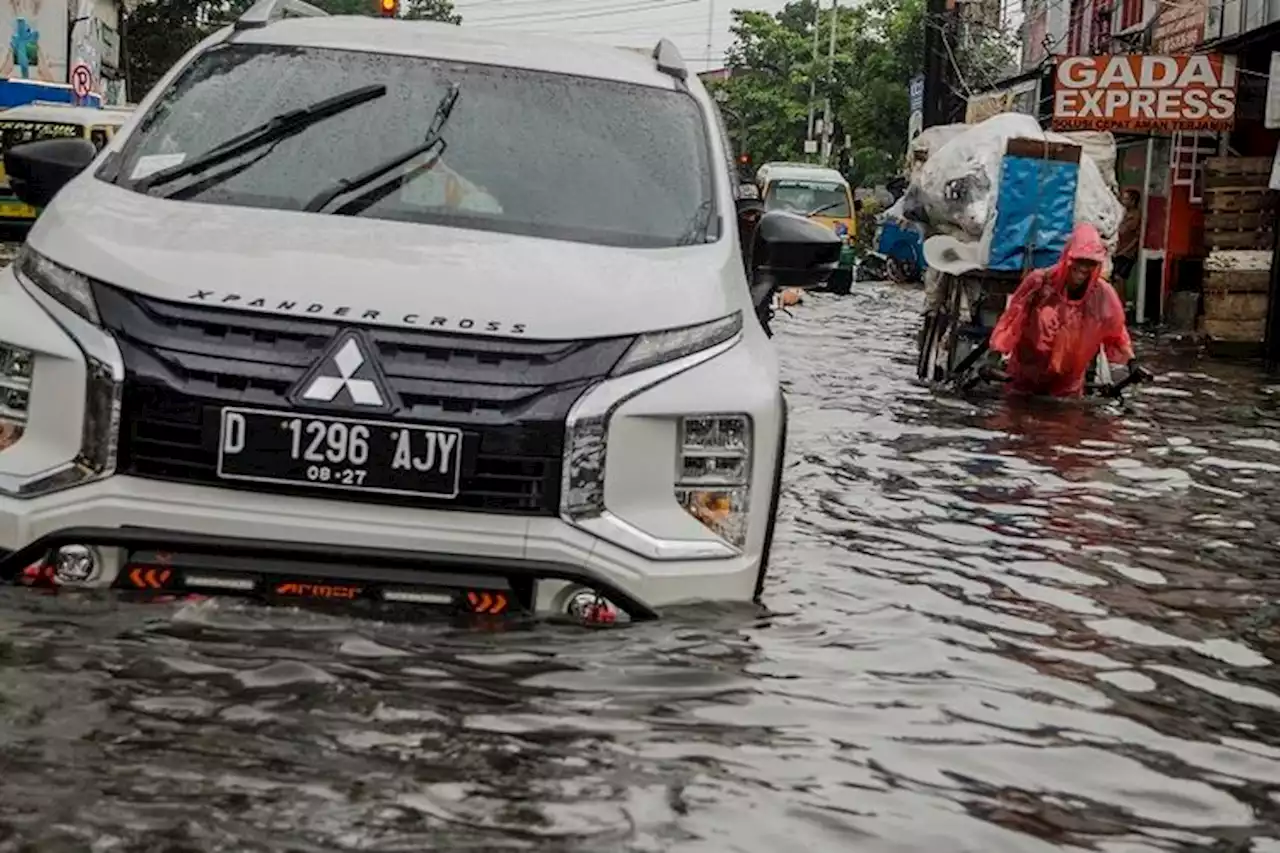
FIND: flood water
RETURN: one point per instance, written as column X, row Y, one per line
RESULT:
column 986, row 630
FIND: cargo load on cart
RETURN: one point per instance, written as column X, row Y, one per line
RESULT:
column 1000, row 200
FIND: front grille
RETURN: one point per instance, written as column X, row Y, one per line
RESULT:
column 184, row 363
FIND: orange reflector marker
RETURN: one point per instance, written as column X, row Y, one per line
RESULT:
column 487, row 602
column 149, row 577
column 292, row 589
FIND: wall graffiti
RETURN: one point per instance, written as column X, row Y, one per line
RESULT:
column 33, row 40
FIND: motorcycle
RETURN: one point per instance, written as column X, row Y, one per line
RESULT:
column 901, row 248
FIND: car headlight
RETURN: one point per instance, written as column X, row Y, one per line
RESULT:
column 99, row 441
column 71, row 289
column 586, row 440
column 20, row 382
column 711, row 482
column 654, row 348
column 15, row 393
column 713, row 473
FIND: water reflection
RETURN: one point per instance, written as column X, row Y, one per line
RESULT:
column 989, row 629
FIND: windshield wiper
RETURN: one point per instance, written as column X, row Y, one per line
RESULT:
column 824, row 208
column 392, row 168
column 698, row 229
column 273, row 130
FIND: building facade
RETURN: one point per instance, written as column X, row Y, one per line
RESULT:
column 1188, row 89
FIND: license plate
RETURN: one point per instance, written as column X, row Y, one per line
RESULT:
column 339, row 453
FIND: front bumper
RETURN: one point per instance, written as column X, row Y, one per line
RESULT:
column 170, row 562
column 539, row 563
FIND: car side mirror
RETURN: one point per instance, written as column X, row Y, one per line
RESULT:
column 37, row 170
column 791, row 250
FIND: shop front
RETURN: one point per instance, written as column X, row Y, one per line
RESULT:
column 1154, row 104
column 1142, row 165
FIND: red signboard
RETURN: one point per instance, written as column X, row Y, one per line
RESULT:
column 1140, row 92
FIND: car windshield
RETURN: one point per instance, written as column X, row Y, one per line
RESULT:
column 528, row 152
column 830, row 199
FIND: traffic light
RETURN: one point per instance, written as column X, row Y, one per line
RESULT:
column 744, row 159
column 388, row 8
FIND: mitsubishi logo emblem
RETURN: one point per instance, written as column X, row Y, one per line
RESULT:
column 347, row 376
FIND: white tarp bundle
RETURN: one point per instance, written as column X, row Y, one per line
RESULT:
column 955, row 192
column 1100, row 147
column 929, row 141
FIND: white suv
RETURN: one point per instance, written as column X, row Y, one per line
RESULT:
column 395, row 312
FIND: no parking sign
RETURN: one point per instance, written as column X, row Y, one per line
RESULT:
column 81, row 80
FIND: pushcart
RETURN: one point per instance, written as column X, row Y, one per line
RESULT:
column 1036, row 204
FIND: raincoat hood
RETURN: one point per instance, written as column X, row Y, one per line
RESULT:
column 1084, row 244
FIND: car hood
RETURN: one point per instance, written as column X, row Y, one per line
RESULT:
column 378, row 272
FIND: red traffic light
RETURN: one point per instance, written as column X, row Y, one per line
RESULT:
column 388, row 8
column 744, row 159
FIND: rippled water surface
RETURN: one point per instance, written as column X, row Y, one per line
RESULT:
column 986, row 630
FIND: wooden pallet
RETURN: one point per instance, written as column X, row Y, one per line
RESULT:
column 1242, row 173
column 1233, row 200
column 1236, row 182
column 1237, row 281
column 1236, row 331
column 1237, row 166
column 1259, row 240
column 1235, row 306
column 1250, row 220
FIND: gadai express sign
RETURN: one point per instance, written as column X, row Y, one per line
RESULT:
column 1136, row 92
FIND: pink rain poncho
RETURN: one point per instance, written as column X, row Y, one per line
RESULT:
column 1050, row 338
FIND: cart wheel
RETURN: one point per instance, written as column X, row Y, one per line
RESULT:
column 927, row 343
column 949, row 338
column 924, row 344
column 937, row 338
column 935, row 358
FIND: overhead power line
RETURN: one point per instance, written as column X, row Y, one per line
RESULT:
column 491, row 4
column 603, row 11
column 684, row 22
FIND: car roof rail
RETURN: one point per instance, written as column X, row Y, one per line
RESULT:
column 669, row 61
column 265, row 12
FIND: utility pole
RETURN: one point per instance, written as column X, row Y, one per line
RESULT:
column 831, row 76
column 711, row 20
column 935, row 63
column 813, row 75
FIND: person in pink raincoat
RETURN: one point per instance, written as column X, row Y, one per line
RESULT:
column 1059, row 318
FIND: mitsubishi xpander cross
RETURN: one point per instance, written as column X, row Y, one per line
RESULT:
column 393, row 312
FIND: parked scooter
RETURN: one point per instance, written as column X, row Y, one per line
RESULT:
column 902, row 246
